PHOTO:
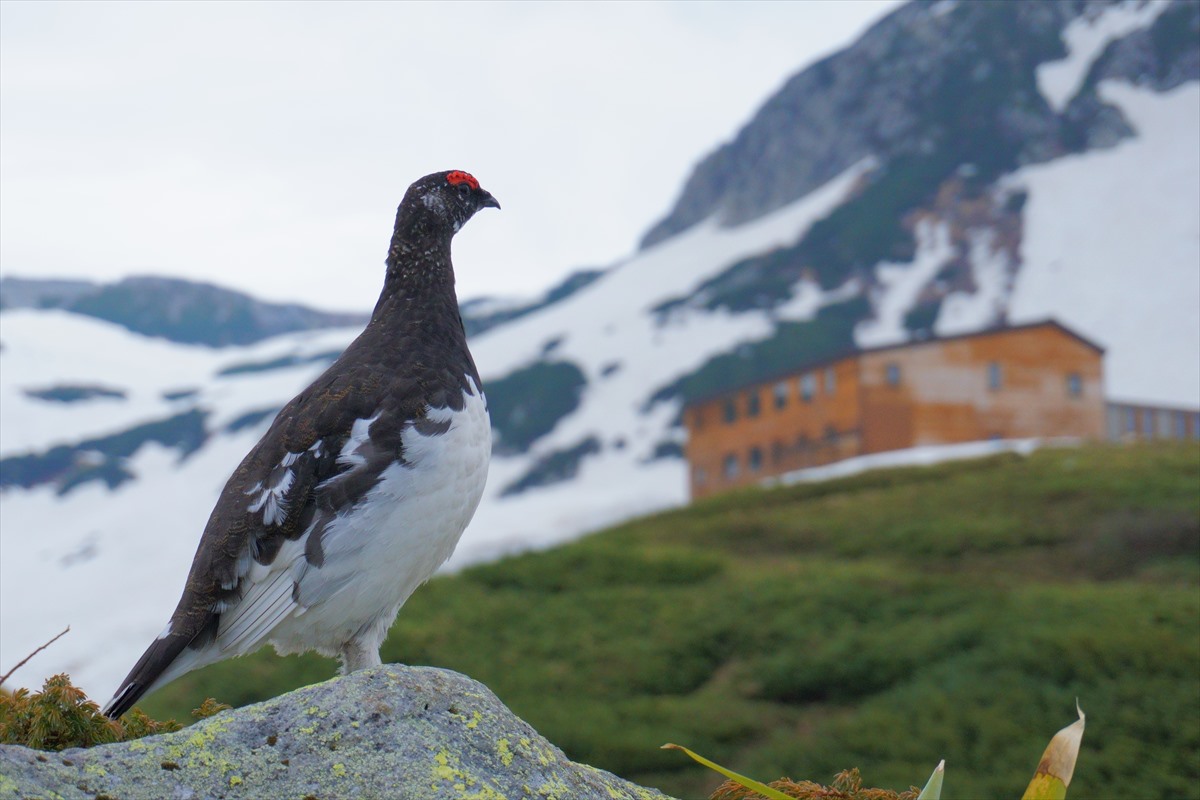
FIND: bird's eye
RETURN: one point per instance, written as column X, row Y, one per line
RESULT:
column 464, row 189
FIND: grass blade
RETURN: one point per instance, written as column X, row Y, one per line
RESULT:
column 933, row 788
column 749, row 783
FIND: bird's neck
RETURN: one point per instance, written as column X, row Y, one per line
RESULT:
column 419, row 280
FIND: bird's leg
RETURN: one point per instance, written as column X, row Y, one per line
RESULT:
column 356, row 655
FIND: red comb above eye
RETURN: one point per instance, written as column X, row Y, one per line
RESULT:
column 458, row 176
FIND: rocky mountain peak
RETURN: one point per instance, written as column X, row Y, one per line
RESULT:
column 937, row 83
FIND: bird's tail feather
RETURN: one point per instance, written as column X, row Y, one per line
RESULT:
column 167, row 658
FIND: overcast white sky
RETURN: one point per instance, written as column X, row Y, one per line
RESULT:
column 264, row 146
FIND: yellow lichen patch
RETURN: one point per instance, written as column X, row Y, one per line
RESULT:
column 234, row 780
column 506, row 755
column 339, row 770
column 554, row 789
column 205, row 733
column 443, row 770
column 626, row 791
column 446, row 770
column 544, row 757
column 476, row 718
column 313, row 711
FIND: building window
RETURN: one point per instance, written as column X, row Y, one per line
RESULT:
column 781, row 393
column 730, row 411
column 808, row 386
column 995, row 375
column 830, row 381
column 1074, row 385
column 753, row 408
column 730, row 467
column 831, row 434
column 1148, row 423
column 891, row 373
column 700, row 476
column 1196, row 426
column 778, row 453
column 802, row 443
column 1180, row 425
column 1163, row 423
column 1130, row 420
column 755, row 461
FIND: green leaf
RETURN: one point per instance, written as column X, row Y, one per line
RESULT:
column 1054, row 771
column 933, row 788
column 749, row 783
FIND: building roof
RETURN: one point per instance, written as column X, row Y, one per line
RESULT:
column 805, row 366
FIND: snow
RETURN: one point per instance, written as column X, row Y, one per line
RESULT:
column 917, row 457
column 901, row 286
column 1085, row 38
column 943, row 7
column 991, row 269
column 50, row 348
column 484, row 306
column 1112, row 247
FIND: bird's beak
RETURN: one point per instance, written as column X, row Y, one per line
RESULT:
column 487, row 201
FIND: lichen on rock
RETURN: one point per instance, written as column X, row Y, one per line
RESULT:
column 389, row 732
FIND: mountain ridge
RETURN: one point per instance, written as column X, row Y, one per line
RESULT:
column 843, row 108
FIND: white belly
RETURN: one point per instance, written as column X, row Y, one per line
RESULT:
column 394, row 539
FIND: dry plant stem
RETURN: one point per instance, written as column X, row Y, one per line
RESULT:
column 25, row 660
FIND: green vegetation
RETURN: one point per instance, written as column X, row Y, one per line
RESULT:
column 283, row 362
column 757, row 282
column 1175, row 34
column 527, row 403
column 554, row 467
column 880, row 622
column 74, row 393
column 60, row 716
column 475, row 323
column 252, row 418
column 103, row 458
column 790, row 347
column 919, row 320
column 175, row 310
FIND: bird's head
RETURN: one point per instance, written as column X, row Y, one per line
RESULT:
column 452, row 197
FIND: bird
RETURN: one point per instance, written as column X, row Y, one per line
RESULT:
column 362, row 485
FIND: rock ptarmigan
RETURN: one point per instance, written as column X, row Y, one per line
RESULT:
column 361, row 487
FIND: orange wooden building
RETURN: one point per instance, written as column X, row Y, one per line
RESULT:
column 1034, row 380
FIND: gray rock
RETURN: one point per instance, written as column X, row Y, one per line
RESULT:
column 391, row 732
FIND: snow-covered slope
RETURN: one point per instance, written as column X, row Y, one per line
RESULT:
column 104, row 497
column 1112, row 247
